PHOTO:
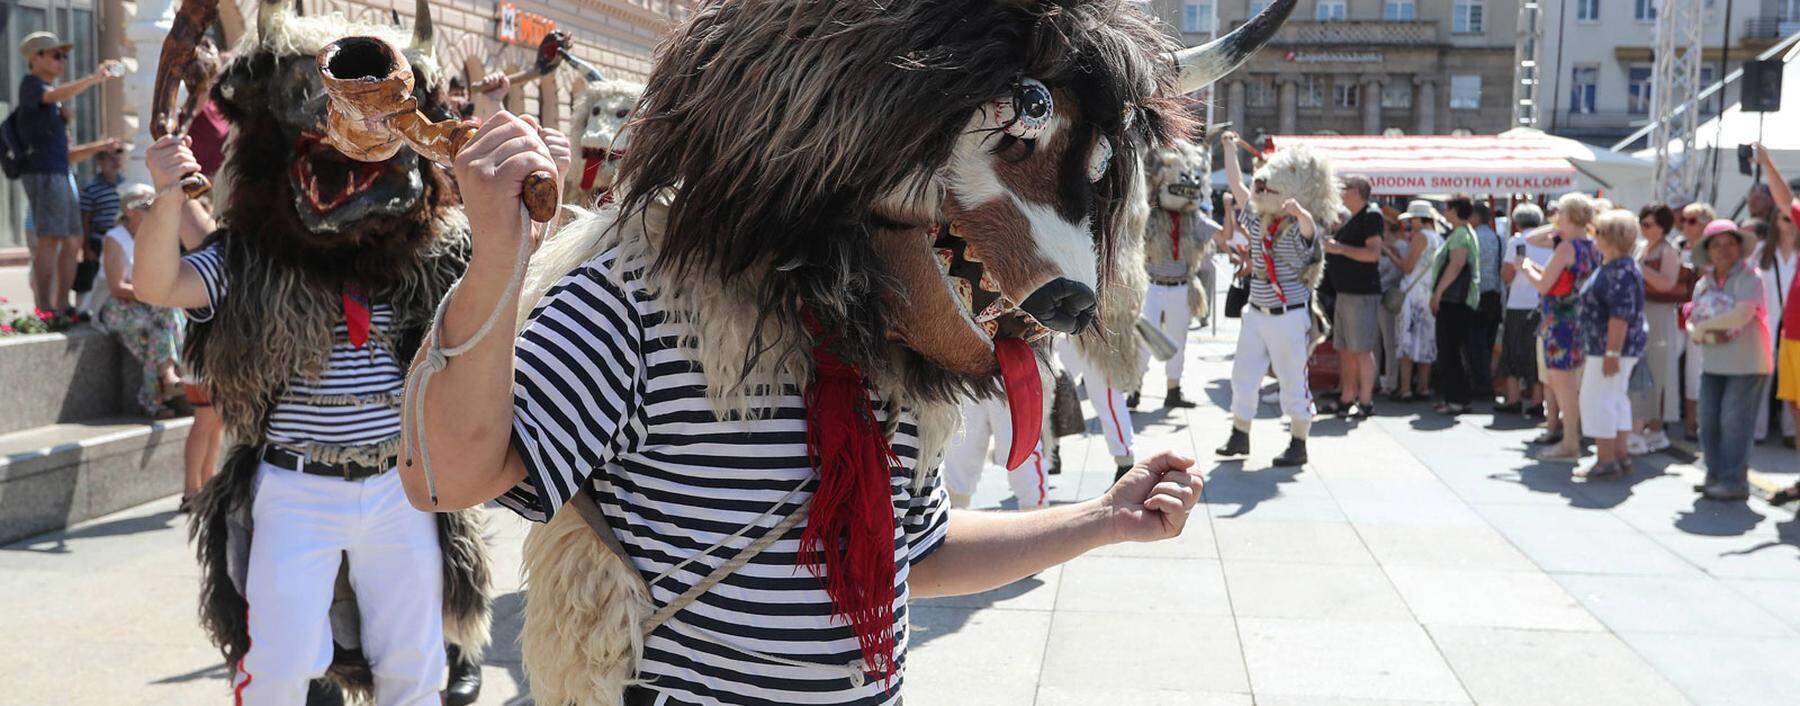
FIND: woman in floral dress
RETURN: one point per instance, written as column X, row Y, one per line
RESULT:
column 151, row 333
column 1415, row 326
column 1560, row 282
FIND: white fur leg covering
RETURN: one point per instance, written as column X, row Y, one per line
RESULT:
column 1300, row 428
column 1240, row 424
column 585, row 608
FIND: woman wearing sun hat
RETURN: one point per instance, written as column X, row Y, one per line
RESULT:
column 1415, row 326
column 1727, row 321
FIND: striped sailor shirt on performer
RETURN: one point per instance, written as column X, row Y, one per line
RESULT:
column 1276, row 324
column 607, row 400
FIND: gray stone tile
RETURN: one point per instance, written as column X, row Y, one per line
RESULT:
column 1724, row 671
column 1369, row 511
column 1132, row 583
column 1449, row 547
column 1339, row 701
column 1173, row 652
column 1763, row 557
column 1513, row 519
column 953, row 657
column 1300, row 508
column 1600, row 553
column 1313, row 591
column 1300, row 542
column 1037, row 592
column 1775, row 596
column 1506, row 667
column 1688, row 605
column 1393, row 661
column 48, row 669
column 1075, row 696
column 1512, row 599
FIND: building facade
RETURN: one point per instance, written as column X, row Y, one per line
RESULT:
column 474, row 37
column 1597, row 57
column 1359, row 67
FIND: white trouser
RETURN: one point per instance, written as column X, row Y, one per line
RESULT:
column 967, row 455
column 304, row 526
column 1278, row 341
column 1605, row 402
column 1108, row 401
column 1385, row 321
column 1692, row 367
column 1167, row 307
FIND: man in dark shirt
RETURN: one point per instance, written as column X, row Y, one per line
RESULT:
column 43, row 120
column 1352, row 268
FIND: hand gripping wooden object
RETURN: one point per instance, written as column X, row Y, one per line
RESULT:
column 371, row 113
column 188, row 59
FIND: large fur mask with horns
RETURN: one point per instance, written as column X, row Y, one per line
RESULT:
column 289, row 184
column 933, row 173
column 1296, row 172
column 1178, row 177
column 600, row 115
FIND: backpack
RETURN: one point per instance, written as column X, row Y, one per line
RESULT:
column 14, row 150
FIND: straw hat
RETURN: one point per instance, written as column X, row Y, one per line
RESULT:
column 1422, row 209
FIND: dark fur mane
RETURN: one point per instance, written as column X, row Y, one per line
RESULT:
column 780, row 124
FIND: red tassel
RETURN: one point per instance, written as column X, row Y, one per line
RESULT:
column 849, row 536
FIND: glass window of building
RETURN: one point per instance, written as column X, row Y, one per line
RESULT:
column 1465, row 92
column 1589, row 10
column 1259, row 93
column 1637, row 81
column 1584, row 88
column 1197, row 16
column 1396, row 94
column 1312, row 92
column 1329, row 11
column 1467, row 17
column 1344, row 94
column 1400, row 10
column 1644, row 10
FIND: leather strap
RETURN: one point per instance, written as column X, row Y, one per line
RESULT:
column 286, row 459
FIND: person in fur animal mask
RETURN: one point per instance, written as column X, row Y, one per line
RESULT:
column 734, row 384
column 600, row 136
column 1176, row 241
column 322, row 278
column 1285, row 262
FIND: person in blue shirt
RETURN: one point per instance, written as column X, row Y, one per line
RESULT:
column 55, row 235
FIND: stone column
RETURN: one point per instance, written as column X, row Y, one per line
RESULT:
column 1425, row 105
column 1234, row 105
column 112, row 19
column 1289, row 103
column 1371, row 104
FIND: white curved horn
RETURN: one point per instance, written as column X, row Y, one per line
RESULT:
column 423, row 29
column 1209, row 62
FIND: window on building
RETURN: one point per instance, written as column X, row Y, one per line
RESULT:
column 1589, row 10
column 1197, row 16
column 1637, row 81
column 1584, row 88
column 1259, row 93
column 1400, row 10
column 1465, row 92
column 1787, row 10
column 1345, row 94
column 1467, row 17
column 1644, row 10
column 1329, row 10
column 1396, row 94
column 1312, row 92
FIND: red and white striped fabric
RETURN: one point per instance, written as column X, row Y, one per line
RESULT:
column 1477, row 164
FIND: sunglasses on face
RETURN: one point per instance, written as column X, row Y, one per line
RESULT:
column 57, row 55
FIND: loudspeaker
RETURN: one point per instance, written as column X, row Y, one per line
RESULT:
column 1762, row 86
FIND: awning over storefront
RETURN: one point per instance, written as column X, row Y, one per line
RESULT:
column 1478, row 164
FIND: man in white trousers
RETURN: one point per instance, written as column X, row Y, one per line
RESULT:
column 1175, row 244
column 986, row 435
column 1284, row 249
column 1109, row 404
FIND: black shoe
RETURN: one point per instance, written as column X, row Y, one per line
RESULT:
column 1175, row 401
column 321, row 692
column 465, row 678
column 1510, row 408
column 1131, row 400
column 1364, row 410
column 1055, row 460
column 1295, row 455
column 1785, row 496
column 1237, row 445
column 1119, row 473
column 1536, row 411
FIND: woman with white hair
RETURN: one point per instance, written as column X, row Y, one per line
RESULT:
column 151, row 333
column 1560, row 282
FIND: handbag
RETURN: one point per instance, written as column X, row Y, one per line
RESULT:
column 1237, row 296
column 1393, row 299
column 1685, row 279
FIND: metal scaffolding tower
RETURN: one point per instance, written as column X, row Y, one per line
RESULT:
column 1527, row 59
column 1674, row 93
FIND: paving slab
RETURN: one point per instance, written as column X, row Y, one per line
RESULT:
column 1514, row 667
column 1136, row 584
column 1173, row 652
column 1682, row 605
column 1011, row 648
column 1451, row 547
column 1346, row 659
column 1509, row 599
column 1245, row 539
column 1313, row 591
column 1724, row 671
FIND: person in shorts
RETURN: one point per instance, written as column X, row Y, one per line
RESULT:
column 1352, row 258
column 1519, row 324
column 43, row 116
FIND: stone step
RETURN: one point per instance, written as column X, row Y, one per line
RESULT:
column 55, row 475
column 59, row 378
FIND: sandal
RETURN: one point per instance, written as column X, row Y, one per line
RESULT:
column 1560, row 455
column 1785, row 495
column 1452, row 410
column 1550, row 437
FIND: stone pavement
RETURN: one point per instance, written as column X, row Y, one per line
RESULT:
column 1414, row 561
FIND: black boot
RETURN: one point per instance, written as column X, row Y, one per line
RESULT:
column 1295, row 455
column 1237, row 445
column 1131, row 400
column 1175, row 401
column 465, row 678
column 1055, row 459
column 1119, row 473
column 321, row 692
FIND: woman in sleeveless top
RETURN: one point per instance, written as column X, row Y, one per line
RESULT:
column 1663, row 294
column 1575, row 260
column 1415, row 328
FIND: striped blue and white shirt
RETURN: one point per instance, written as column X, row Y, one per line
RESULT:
column 607, row 400
column 355, row 401
column 1291, row 254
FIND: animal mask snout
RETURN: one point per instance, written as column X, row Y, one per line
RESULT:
column 1062, row 304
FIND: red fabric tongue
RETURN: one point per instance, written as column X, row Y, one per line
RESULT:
column 1024, row 397
column 590, row 168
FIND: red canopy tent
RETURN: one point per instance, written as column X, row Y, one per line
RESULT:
column 1475, row 164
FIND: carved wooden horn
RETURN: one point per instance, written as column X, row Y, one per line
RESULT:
column 269, row 14
column 1209, row 62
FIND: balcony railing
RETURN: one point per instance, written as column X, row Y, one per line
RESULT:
column 1356, row 32
column 1769, row 27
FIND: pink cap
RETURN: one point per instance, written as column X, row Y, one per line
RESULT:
column 1721, row 225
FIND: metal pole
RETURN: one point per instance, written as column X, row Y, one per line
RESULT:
column 1724, row 63
column 1562, row 33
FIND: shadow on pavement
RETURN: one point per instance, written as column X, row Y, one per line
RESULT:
column 944, row 616
column 1717, row 519
column 1246, row 489
column 57, row 542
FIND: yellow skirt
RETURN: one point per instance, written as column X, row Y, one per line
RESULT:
column 1787, row 385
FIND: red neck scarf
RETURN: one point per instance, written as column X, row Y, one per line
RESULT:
column 1175, row 232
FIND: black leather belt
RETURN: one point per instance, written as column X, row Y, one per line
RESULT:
column 1170, row 281
column 293, row 461
column 1279, row 310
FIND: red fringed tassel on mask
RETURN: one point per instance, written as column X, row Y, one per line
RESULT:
column 849, row 534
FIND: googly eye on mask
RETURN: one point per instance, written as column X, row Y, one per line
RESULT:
column 1026, row 112
column 1100, row 158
